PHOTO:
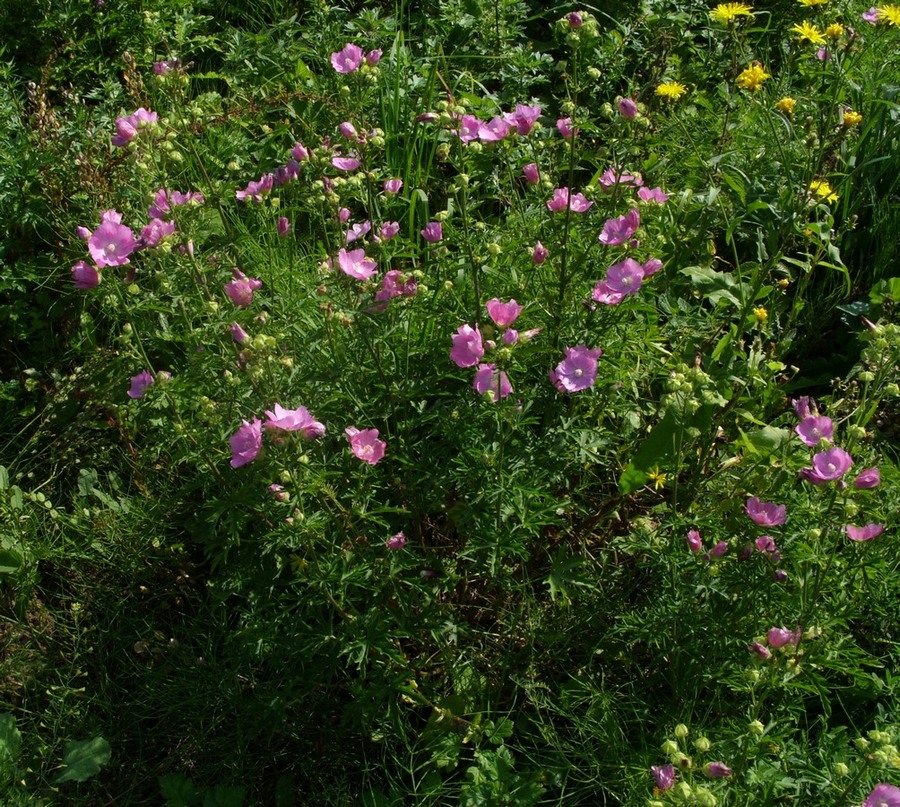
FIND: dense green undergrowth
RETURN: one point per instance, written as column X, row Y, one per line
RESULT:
column 481, row 404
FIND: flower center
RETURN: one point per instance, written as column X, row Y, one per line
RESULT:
column 578, row 373
column 110, row 249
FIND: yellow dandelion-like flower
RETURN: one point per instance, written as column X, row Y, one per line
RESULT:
column 851, row 118
column 783, row 282
column 808, row 3
column 823, row 190
column 760, row 314
column 752, row 77
column 727, row 13
column 834, row 31
column 889, row 14
column 657, row 477
column 786, row 105
column 671, row 90
column 808, row 32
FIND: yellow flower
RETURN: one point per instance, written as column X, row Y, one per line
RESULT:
column 727, row 13
column 834, row 31
column 657, row 477
column 760, row 314
column 783, row 282
column 671, row 90
column 786, row 105
column 812, row 2
column 752, row 77
column 851, row 118
column 889, row 14
column 809, row 32
column 822, row 189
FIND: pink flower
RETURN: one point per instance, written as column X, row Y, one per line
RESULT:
column 883, row 795
column 241, row 289
column 503, row 314
column 347, row 129
column 356, row 264
column 664, row 776
column 531, row 174
column 154, row 232
column 433, row 232
column 540, row 253
column 283, row 226
column 294, row 420
column 255, row 190
column 627, row 108
column 578, row 370
column 610, row 178
column 510, row 336
column 651, row 266
column 83, row 233
column 869, row 478
column 278, row 491
column 823, row 55
column 365, row 444
column 238, row 333
column 779, row 637
column 766, row 544
column 85, row 276
column 565, row 128
column 828, row 466
column 524, row 117
column 299, row 152
column 561, row 201
column 393, row 185
column 111, row 243
column 373, row 57
column 717, row 770
column 139, row 384
column 694, row 541
column 719, row 549
column 127, row 128
column 866, row 533
column 766, row 514
column 871, row 17
column 165, row 200
column 469, row 127
column 622, row 280
column 348, row 59
column 653, row 195
column 491, row 381
column 760, row 650
column 388, row 230
column 344, row 215
column 397, row 541
column 575, row 20
column 394, row 284
column 619, row 230
column 246, row 443
column 496, row 129
column 357, row 231
column 468, row 347
column 345, row 163
column 803, row 407
column 813, row 429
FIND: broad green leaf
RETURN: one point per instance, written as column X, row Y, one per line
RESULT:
column 632, row 479
column 10, row 561
column 83, row 759
column 4, row 478
column 10, row 746
column 178, row 790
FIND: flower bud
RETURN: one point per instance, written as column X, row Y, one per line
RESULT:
column 669, row 747
column 702, row 744
column 681, row 731
column 756, row 727
column 841, row 769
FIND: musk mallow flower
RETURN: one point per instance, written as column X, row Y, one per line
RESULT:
column 531, row 173
column 664, row 776
column 578, row 370
column 283, row 226
column 622, row 280
column 396, row 541
column 85, row 276
column 827, row 466
column 153, row 233
column 432, row 232
column 393, row 185
column 490, row 380
column 356, row 264
column 766, row 514
column 346, row 163
column 565, row 128
column 618, row 230
column 814, row 428
column 883, row 795
column 717, row 770
column 246, row 443
column 348, row 59
column 365, row 444
column 357, row 231
column 628, row 109
column 494, row 130
column 612, row 177
column 694, row 541
column 503, row 314
column 388, row 230
column 780, row 637
column 869, row 478
column 241, row 288
column 866, row 533
column 112, row 242
column 127, row 128
column 293, row 420
column 524, row 117
column 394, row 284
column 238, row 333
column 540, row 253
column 561, row 200
column 139, row 384
column 468, row 347
column 653, row 195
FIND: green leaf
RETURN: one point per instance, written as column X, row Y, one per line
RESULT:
column 178, row 790
column 4, row 478
column 83, row 759
column 632, row 479
column 10, row 746
column 87, row 481
column 10, row 561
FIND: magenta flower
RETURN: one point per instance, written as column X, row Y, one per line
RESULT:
column 238, row 333
column 610, row 178
column 719, row 549
column 394, row 284
column 467, row 347
column 111, row 243
column 393, row 185
column 357, row 231
column 347, row 129
column 828, row 466
column 164, row 200
column 356, row 264
column 779, row 637
column 653, row 195
column 241, row 289
column 628, row 108
column 664, row 775
column 575, row 20
column 246, row 443
column 490, row 380
column 348, row 59
column 578, row 370
column 760, row 650
column 565, row 128
column 651, row 266
column 293, row 420
column 866, row 533
column 717, row 770
column 373, row 57
column 766, row 544
column 344, row 215
column 299, row 152
column 823, row 55
column 503, row 314
column 345, row 163
column 255, row 190
column 766, row 514
column 869, row 478
column 433, row 232
column 139, row 384
column 524, row 117
column 127, row 128
column 494, row 130
column 365, row 444
column 813, row 429
column 883, row 795
column 561, row 201
column 622, row 280
column 531, row 174
column 154, row 232
column 397, row 541
column 469, row 126
column 871, row 17
column 83, row 232
column 803, row 407
column 540, row 253
column 694, row 541
column 283, row 226
column 388, row 230
column 619, row 230
column 85, row 276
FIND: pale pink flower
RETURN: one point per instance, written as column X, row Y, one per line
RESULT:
column 503, row 314
column 388, row 230
column 357, row 231
column 531, row 174
column 779, row 637
column 238, row 333
column 622, row 280
column 468, row 347
column 397, row 541
column 871, row 17
column 283, row 226
column 139, row 384
column 246, row 443
column 803, row 406
column 365, row 444
column 111, row 243
column 869, row 478
column 813, row 429
column 565, row 128
column 347, row 129
column 618, row 230
column 883, row 795
column 866, row 533
column 578, row 370
column 433, row 232
column 664, row 776
column 540, row 253
column 766, row 544
column 694, row 541
column 494, row 130
column 766, row 514
column 255, row 190
column 561, row 200
column 524, row 117
column 651, row 266
column 653, row 195
column 344, row 215
column 469, row 127
column 299, row 152
column 345, row 163
column 393, row 185
column 241, row 288
column 83, row 232
column 828, row 466
column 373, row 57
column 293, row 420
column 719, row 549
column 394, row 284
column 611, row 177
column 127, row 128
column 356, row 264
column 490, row 380
column 154, row 232
column 85, row 276
column 348, row 59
